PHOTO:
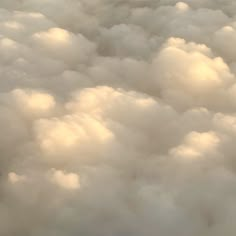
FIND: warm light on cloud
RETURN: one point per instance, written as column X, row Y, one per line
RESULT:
column 54, row 35
column 182, row 6
column 196, row 145
column 117, row 117
column 33, row 102
column 70, row 135
column 8, row 43
column 65, row 180
column 15, row 178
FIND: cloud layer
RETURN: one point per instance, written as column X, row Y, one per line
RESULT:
column 117, row 117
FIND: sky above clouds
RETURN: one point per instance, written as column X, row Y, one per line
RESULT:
column 117, row 117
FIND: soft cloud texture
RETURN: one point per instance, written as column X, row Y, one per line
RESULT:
column 117, row 117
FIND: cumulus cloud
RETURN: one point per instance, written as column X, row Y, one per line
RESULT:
column 64, row 180
column 117, row 117
column 183, row 69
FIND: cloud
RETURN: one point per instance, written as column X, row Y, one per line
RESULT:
column 117, row 117
column 33, row 102
column 65, row 180
column 187, row 68
column 14, row 178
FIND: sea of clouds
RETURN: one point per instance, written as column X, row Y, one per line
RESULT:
column 117, row 118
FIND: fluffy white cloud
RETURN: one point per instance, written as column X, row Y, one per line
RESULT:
column 117, row 117
column 188, row 75
column 33, row 102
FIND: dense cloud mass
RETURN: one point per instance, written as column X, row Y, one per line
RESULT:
column 117, row 117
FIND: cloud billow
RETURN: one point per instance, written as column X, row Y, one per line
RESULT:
column 117, row 118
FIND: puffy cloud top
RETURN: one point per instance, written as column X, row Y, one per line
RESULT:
column 117, row 117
